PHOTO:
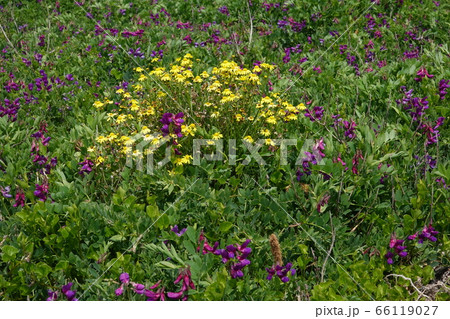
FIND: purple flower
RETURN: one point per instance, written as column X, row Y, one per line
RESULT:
column 139, row 288
column 282, row 272
column 443, row 86
column 119, row 290
column 41, row 191
column 124, row 278
column 423, row 73
column 315, row 114
column 86, row 167
column 69, row 77
column 224, row 10
column 52, row 295
column 428, row 233
column 20, row 199
column 349, row 129
column 169, row 119
column 176, row 230
column 389, row 257
column 5, row 191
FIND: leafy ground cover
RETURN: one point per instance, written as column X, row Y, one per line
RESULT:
column 224, row 150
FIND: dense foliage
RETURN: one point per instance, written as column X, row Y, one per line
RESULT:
column 329, row 124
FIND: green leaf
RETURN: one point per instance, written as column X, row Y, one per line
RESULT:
column 117, row 238
column 225, row 226
column 166, row 265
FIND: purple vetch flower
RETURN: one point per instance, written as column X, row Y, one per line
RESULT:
column 170, row 120
column 443, row 86
column 178, row 232
column 282, row 272
column 185, row 278
column 428, row 233
column 119, row 291
column 124, row 278
column 136, row 53
column 86, row 167
column 315, row 114
column 158, row 54
column 224, row 10
column 236, row 254
column 41, row 41
column 423, row 73
column 70, row 294
column 52, row 295
column 20, row 199
column 342, row 49
column 41, row 191
column 349, row 129
column 5, row 191
column 389, row 257
column 139, row 288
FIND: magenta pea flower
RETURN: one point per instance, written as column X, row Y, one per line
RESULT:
column 423, row 73
column 124, row 278
column 20, row 199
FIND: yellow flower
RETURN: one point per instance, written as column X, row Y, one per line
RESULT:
column 137, row 153
column 269, row 142
column 101, row 139
column 271, row 120
column 209, row 142
column 267, row 66
column 188, row 130
column 291, row 117
column 301, row 107
column 98, row 104
column 215, row 114
column 160, row 94
column 248, row 138
column 198, row 79
column 110, row 116
column 99, row 160
column 120, row 91
column 217, row 136
column 139, row 69
column 126, row 150
column 111, row 137
column 91, row 149
column 145, row 130
column 154, row 60
column 127, row 95
column 204, row 75
column 250, row 118
column 186, row 159
column 266, row 99
column 166, row 77
column 256, row 69
column 121, row 118
column 264, row 132
column 142, row 78
column 239, row 117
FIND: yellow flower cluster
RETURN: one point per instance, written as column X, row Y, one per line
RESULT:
column 226, row 93
column 180, row 73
